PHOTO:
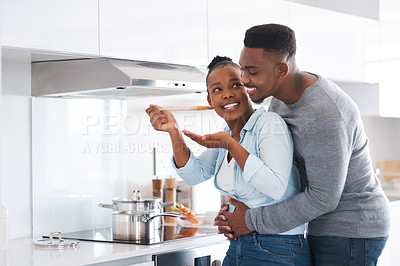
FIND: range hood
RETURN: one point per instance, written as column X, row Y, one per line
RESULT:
column 114, row 78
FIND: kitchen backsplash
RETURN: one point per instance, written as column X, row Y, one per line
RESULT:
column 87, row 151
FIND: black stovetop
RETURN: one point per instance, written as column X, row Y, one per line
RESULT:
column 167, row 233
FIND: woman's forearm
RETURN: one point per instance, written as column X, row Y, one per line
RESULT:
column 181, row 151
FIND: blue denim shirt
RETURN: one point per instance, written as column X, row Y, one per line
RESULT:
column 269, row 174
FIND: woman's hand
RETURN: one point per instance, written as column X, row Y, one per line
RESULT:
column 232, row 224
column 221, row 140
column 165, row 121
column 161, row 120
column 216, row 140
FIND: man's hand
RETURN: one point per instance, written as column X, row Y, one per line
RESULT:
column 232, row 225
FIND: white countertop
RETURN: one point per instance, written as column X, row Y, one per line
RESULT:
column 21, row 252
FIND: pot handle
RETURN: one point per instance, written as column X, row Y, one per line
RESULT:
column 147, row 218
column 103, row 205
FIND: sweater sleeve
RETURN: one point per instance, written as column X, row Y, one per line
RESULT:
column 326, row 152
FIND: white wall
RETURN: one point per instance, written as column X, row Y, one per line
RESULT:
column 363, row 8
column 72, row 172
column 390, row 58
column 15, row 170
column 383, row 134
column 365, row 95
column 1, row 120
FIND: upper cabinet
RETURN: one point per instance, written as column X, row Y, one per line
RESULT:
column 361, row 8
column 337, row 45
column 229, row 19
column 164, row 31
column 68, row 26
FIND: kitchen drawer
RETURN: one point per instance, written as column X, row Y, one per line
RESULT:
column 200, row 256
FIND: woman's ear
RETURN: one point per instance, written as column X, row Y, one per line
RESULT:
column 209, row 100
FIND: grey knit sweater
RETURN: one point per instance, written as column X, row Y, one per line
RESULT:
column 341, row 193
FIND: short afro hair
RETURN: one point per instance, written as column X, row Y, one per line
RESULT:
column 273, row 38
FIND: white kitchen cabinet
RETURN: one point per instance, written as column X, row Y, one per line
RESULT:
column 163, row 31
column 229, row 19
column 135, row 261
column 370, row 8
column 339, row 46
column 63, row 25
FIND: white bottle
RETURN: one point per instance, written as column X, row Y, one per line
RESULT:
column 4, row 228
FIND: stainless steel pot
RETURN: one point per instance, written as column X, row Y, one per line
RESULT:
column 136, row 204
column 129, row 226
column 137, row 218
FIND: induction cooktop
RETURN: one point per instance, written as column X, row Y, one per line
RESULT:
column 167, row 233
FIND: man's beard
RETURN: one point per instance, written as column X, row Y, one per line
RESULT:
column 259, row 101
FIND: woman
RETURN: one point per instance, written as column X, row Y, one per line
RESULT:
column 252, row 161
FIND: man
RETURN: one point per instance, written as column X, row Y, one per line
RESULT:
column 342, row 200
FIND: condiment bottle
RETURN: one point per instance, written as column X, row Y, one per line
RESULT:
column 157, row 188
column 170, row 195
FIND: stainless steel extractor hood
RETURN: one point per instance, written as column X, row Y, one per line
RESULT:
column 114, row 78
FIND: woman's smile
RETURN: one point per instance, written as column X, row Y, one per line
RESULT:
column 230, row 106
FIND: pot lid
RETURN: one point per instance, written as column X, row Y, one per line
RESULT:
column 132, row 200
column 137, row 198
column 59, row 243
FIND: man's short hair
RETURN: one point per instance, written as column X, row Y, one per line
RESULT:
column 273, row 38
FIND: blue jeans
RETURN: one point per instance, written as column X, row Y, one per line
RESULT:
column 342, row 251
column 256, row 249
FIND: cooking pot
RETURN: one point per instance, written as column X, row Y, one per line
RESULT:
column 138, row 204
column 138, row 226
column 137, row 218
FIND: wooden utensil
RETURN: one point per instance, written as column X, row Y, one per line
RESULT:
column 193, row 108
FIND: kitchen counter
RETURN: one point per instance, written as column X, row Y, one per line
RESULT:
column 21, row 252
